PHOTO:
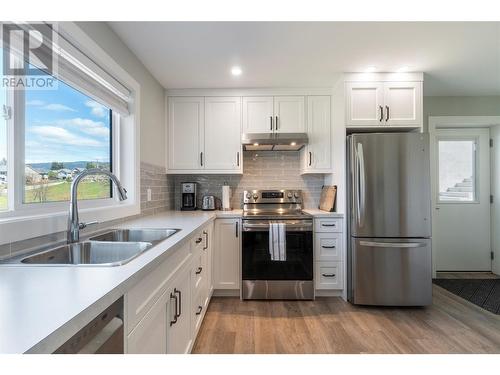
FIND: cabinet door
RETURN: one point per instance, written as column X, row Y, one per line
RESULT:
column 319, row 148
column 179, row 330
column 185, row 132
column 403, row 103
column 258, row 114
column 223, row 133
column 150, row 335
column 289, row 114
column 227, row 254
column 364, row 104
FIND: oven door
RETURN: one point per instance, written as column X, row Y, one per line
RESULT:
column 256, row 258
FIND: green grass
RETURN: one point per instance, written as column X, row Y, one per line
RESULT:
column 57, row 193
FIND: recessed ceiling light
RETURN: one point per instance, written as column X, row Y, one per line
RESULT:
column 371, row 69
column 236, row 71
column 293, row 144
column 255, row 144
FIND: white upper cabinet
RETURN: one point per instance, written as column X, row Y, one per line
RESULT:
column 317, row 154
column 364, row 103
column 258, row 114
column 403, row 103
column 222, row 133
column 289, row 114
column 278, row 114
column 389, row 100
column 185, row 132
column 204, row 135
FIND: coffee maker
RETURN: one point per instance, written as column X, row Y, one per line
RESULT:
column 188, row 196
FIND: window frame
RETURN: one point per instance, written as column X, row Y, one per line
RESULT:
column 475, row 139
column 50, row 217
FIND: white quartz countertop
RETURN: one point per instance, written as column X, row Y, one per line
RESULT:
column 320, row 213
column 41, row 307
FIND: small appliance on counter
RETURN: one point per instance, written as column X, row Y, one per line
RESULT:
column 189, row 196
column 208, row 203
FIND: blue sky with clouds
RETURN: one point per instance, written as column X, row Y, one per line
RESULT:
column 62, row 125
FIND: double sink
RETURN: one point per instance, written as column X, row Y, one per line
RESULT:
column 112, row 248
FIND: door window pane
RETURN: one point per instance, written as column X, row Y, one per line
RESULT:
column 66, row 132
column 457, row 164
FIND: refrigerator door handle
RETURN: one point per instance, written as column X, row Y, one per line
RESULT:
column 361, row 184
column 393, row 244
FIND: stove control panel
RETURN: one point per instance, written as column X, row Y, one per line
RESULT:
column 272, row 196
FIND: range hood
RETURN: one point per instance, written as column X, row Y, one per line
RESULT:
column 274, row 141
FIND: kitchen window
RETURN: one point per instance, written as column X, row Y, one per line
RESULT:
column 49, row 135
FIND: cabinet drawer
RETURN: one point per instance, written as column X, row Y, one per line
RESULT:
column 329, row 275
column 327, row 225
column 142, row 296
column 328, row 246
column 199, row 272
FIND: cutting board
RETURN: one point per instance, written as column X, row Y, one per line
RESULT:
column 327, row 199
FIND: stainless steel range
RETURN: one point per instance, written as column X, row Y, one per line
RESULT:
column 277, row 246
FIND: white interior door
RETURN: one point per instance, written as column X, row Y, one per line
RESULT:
column 461, row 182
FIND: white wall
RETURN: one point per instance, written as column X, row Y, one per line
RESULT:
column 152, row 107
column 495, row 190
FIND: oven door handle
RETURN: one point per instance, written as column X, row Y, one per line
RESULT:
column 248, row 227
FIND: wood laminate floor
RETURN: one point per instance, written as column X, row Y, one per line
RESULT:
column 331, row 325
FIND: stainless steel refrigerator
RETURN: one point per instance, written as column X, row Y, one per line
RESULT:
column 389, row 219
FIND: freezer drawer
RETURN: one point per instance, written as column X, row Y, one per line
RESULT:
column 390, row 272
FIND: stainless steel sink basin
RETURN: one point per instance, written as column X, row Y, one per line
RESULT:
column 136, row 235
column 90, row 253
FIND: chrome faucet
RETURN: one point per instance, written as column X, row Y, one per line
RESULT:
column 74, row 225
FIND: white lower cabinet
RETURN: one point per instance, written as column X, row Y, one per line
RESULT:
column 328, row 253
column 175, row 296
column 179, row 338
column 226, row 258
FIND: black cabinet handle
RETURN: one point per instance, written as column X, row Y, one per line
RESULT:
column 328, row 275
column 201, row 159
column 180, row 301
column 237, row 229
column 381, row 113
column 310, row 158
column 206, row 239
column 328, row 225
column 172, row 322
column 387, row 114
column 198, row 271
column 276, row 124
column 327, row 247
column 238, row 158
column 200, row 309
column 271, row 118
column 199, row 240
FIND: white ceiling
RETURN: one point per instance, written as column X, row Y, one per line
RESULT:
column 459, row 58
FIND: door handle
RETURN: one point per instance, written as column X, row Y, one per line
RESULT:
column 172, row 322
column 200, row 309
column 387, row 114
column 361, row 182
column 393, row 244
column 381, row 113
column 198, row 271
column 180, row 301
column 237, row 229
column 271, row 121
column 206, row 239
column 310, row 158
column 201, row 159
column 238, row 159
column 276, row 126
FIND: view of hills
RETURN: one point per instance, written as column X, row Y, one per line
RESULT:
column 45, row 167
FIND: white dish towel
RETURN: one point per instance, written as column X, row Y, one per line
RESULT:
column 277, row 241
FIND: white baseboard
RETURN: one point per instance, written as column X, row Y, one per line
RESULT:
column 226, row 293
